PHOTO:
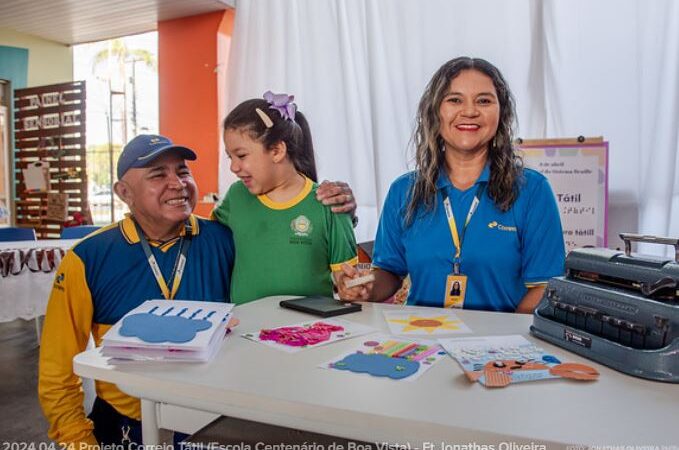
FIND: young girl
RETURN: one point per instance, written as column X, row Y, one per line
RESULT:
column 287, row 242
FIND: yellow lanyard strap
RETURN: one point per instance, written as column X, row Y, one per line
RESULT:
column 179, row 262
column 457, row 238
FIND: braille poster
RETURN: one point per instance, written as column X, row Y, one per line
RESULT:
column 578, row 174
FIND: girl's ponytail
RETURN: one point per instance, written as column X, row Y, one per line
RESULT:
column 304, row 159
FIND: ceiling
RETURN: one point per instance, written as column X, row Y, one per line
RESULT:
column 78, row 21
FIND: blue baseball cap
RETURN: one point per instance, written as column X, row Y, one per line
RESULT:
column 143, row 149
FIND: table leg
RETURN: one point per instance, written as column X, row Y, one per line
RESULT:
column 150, row 433
column 37, row 328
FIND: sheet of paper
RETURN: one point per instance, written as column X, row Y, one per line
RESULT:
column 389, row 357
column 423, row 321
column 36, row 176
column 311, row 333
column 497, row 361
column 128, row 355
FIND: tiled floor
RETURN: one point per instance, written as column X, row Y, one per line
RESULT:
column 21, row 419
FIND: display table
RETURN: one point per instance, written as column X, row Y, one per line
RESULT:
column 24, row 293
column 255, row 382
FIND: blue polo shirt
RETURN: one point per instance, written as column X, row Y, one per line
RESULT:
column 119, row 278
column 102, row 278
column 503, row 253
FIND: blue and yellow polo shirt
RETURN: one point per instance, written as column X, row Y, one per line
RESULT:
column 101, row 278
column 503, row 253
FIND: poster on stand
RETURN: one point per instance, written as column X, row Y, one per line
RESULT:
column 577, row 170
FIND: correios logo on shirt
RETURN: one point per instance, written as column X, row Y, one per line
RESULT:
column 494, row 225
column 301, row 226
column 58, row 281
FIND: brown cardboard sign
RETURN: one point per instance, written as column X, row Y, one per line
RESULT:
column 57, row 207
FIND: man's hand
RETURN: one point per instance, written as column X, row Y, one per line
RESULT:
column 339, row 194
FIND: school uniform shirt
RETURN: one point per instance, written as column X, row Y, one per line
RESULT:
column 503, row 253
column 100, row 279
column 285, row 248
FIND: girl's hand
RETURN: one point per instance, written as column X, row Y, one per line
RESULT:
column 362, row 292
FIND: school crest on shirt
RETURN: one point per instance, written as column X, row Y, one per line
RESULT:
column 301, row 226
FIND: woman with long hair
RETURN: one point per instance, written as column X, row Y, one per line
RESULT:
column 469, row 213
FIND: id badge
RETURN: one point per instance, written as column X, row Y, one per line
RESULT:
column 456, row 288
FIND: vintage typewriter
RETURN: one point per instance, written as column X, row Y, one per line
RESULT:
column 616, row 308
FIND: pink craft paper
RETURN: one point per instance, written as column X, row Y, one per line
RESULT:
column 300, row 336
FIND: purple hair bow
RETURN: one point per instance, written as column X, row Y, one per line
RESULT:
column 282, row 103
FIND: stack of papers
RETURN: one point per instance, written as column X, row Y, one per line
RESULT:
column 162, row 330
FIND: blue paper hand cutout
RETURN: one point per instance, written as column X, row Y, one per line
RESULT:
column 152, row 328
column 378, row 365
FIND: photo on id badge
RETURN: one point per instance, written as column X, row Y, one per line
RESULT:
column 456, row 288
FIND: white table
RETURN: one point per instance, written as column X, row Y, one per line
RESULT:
column 24, row 296
column 254, row 382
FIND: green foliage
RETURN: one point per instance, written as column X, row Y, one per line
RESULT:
column 98, row 164
column 120, row 53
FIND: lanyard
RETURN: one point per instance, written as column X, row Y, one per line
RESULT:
column 179, row 262
column 458, row 238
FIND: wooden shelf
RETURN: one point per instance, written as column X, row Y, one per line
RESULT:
column 49, row 126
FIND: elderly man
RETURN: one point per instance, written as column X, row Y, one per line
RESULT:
column 111, row 272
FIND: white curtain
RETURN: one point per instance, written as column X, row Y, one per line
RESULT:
column 358, row 67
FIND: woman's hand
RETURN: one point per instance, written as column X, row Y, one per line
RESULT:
column 361, row 292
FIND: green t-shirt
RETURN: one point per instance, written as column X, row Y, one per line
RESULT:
column 287, row 248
